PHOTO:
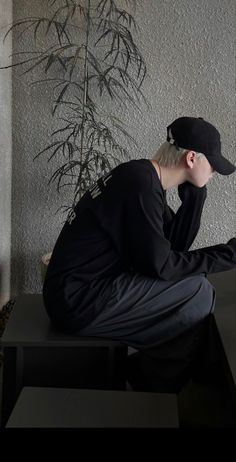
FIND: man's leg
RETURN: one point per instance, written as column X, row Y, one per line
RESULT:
column 166, row 321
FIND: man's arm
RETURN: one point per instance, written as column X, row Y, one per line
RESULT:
column 150, row 252
column 183, row 225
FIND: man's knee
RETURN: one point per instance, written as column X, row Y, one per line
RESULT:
column 207, row 295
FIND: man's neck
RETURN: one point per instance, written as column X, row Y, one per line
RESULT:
column 170, row 177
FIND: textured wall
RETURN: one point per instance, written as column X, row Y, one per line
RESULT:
column 188, row 46
column 5, row 154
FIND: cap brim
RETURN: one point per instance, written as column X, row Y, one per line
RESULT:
column 222, row 165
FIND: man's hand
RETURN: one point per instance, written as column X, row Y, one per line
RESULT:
column 232, row 245
column 188, row 191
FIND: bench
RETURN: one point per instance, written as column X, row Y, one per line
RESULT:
column 36, row 354
column 69, row 408
column 224, row 319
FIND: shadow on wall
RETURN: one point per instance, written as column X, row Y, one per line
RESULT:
column 1, row 273
column 18, row 266
column 44, row 265
column 21, row 280
column 4, row 282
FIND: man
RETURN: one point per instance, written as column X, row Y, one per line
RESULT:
column 121, row 267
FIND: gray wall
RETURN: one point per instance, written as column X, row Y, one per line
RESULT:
column 5, row 154
column 188, row 46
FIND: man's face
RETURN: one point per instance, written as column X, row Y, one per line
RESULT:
column 201, row 172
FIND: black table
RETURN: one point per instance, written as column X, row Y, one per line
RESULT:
column 70, row 408
column 225, row 324
column 36, row 354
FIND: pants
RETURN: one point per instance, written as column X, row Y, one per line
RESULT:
column 167, row 322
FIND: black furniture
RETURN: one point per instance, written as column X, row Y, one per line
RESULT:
column 36, row 354
column 70, row 408
column 224, row 321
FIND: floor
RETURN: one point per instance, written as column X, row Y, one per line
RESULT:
column 200, row 406
column 204, row 406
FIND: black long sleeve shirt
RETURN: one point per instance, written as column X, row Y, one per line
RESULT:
column 124, row 223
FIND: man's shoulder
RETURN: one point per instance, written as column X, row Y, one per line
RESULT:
column 135, row 172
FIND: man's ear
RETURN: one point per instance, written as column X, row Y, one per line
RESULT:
column 190, row 158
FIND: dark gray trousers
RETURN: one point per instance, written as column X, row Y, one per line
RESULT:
column 166, row 321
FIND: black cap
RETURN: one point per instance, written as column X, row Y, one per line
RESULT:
column 196, row 134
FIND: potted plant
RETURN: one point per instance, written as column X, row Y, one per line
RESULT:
column 85, row 53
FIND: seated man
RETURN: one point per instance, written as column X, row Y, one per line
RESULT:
column 121, row 267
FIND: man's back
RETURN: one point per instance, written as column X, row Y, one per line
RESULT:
column 93, row 243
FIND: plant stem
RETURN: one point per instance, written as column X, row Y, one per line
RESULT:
column 85, row 90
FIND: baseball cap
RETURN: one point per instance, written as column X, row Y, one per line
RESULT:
column 197, row 134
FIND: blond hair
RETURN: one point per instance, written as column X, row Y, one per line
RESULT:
column 169, row 156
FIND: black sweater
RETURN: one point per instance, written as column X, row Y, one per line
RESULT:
column 123, row 224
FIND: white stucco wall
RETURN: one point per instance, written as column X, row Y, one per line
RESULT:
column 188, row 46
column 5, row 154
